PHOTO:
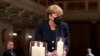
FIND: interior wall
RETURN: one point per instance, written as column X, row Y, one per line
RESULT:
column 84, row 35
column 31, row 32
column 80, row 34
column 98, row 39
column 22, row 41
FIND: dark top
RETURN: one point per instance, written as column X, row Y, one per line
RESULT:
column 45, row 34
column 9, row 53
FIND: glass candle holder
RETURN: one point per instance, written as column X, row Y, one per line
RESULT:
column 38, row 48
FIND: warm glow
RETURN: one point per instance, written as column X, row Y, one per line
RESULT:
column 14, row 34
column 29, row 36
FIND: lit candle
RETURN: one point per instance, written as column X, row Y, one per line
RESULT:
column 41, row 49
column 35, row 50
column 60, row 45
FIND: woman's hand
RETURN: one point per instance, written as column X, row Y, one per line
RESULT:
column 54, row 53
column 64, row 52
column 49, row 54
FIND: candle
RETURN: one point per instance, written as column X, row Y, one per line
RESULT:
column 35, row 50
column 41, row 49
column 38, row 50
column 60, row 45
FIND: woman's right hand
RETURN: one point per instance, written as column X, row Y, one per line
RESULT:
column 49, row 54
column 54, row 53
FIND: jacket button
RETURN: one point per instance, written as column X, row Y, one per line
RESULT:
column 53, row 42
column 52, row 48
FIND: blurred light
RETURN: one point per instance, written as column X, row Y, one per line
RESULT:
column 14, row 34
column 29, row 36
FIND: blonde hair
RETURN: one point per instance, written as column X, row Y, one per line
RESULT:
column 54, row 9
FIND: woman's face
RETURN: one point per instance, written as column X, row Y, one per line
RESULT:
column 52, row 16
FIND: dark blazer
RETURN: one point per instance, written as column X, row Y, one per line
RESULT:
column 9, row 53
column 45, row 34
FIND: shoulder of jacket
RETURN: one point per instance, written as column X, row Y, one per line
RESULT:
column 64, row 24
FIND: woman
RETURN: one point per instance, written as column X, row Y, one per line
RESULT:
column 52, row 28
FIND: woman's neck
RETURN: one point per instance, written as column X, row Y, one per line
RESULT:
column 52, row 25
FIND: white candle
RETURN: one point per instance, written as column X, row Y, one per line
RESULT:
column 35, row 50
column 41, row 50
column 60, row 45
